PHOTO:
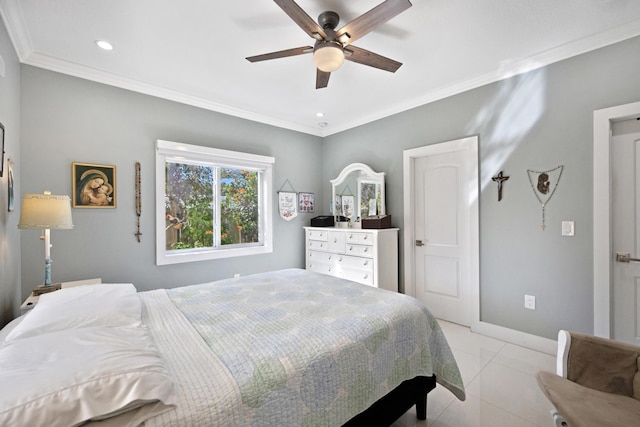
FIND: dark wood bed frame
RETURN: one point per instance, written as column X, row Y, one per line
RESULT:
column 389, row 408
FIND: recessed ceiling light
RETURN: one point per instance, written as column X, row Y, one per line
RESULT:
column 323, row 124
column 320, row 114
column 103, row 44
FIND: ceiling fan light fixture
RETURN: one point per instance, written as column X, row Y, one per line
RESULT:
column 328, row 57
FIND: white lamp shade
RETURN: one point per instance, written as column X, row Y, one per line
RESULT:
column 41, row 211
column 328, row 57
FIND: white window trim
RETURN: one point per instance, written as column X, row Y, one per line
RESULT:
column 176, row 150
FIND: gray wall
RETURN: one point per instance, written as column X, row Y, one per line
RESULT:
column 9, row 234
column 537, row 120
column 66, row 119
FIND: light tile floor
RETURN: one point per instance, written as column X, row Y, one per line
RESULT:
column 500, row 384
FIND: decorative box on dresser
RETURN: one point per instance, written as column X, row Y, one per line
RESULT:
column 365, row 256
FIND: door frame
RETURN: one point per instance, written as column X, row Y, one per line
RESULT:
column 470, row 146
column 602, row 233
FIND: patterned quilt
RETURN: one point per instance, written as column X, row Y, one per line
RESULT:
column 291, row 348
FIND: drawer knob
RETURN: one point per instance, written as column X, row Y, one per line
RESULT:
column 366, row 237
column 366, row 250
column 366, row 276
column 366, row 263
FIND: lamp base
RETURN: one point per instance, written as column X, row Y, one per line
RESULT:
column 43, row 289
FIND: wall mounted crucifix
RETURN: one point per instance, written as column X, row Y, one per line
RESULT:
column 500, row 179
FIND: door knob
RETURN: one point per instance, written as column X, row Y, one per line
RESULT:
column 419, row 243
column 625, row 257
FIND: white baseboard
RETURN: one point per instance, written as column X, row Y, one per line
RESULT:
column 534, row 342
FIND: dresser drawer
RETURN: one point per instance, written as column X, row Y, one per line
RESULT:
column 317, row 245
column 325, row 257
column 318, row 235
column 354, row 262
column 364, row 276
column 360, row 238
column 321, row 268
column 321, row 262
column 336, row 242
column 360, row 250
column 356, row 269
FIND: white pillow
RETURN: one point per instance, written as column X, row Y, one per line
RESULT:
column 81, row 307
column 9, row 327
column 68, row 377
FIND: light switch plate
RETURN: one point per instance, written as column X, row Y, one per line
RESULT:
column 568, row 228
column 530, row 302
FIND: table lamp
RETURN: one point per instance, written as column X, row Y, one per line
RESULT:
column 45, row 212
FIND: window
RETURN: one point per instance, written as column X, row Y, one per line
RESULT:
column 211, row 203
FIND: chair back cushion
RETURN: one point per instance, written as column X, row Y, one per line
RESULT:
column 595, row 363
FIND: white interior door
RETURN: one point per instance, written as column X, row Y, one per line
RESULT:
column 442, row 230
column 625, row 199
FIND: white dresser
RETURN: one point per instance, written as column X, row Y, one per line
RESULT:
column 366, row 256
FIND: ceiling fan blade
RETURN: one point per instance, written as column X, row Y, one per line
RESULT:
column 301, row 18
column 362, row 56
column 372, row 19
column 281, row 54
column 322, row 79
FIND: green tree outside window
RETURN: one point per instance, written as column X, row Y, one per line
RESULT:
column 191, row 206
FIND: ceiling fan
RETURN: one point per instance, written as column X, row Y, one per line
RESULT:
column 333, row 46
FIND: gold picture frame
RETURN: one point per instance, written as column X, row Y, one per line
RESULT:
column 94, row 186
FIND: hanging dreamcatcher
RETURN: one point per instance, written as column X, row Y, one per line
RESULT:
column 544, row 185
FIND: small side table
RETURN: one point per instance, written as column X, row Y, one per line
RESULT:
column 29, row 303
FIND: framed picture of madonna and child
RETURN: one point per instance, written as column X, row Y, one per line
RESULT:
column 94, row 186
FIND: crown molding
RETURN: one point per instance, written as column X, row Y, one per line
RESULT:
column 543, row 59
column 99, row 76
column 14, row 21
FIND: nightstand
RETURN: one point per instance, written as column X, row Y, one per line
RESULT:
column 29, row 303
column 32, row 300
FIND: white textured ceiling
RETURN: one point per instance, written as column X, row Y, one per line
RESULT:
column 193, row 51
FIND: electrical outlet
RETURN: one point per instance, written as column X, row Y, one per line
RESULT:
column 530, row 302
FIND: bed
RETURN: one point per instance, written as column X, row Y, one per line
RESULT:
column 285, row 348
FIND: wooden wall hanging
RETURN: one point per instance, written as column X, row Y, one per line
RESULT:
column 138, row 200
column 500, row 179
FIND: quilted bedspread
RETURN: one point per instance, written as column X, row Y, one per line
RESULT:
column 291, row 348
